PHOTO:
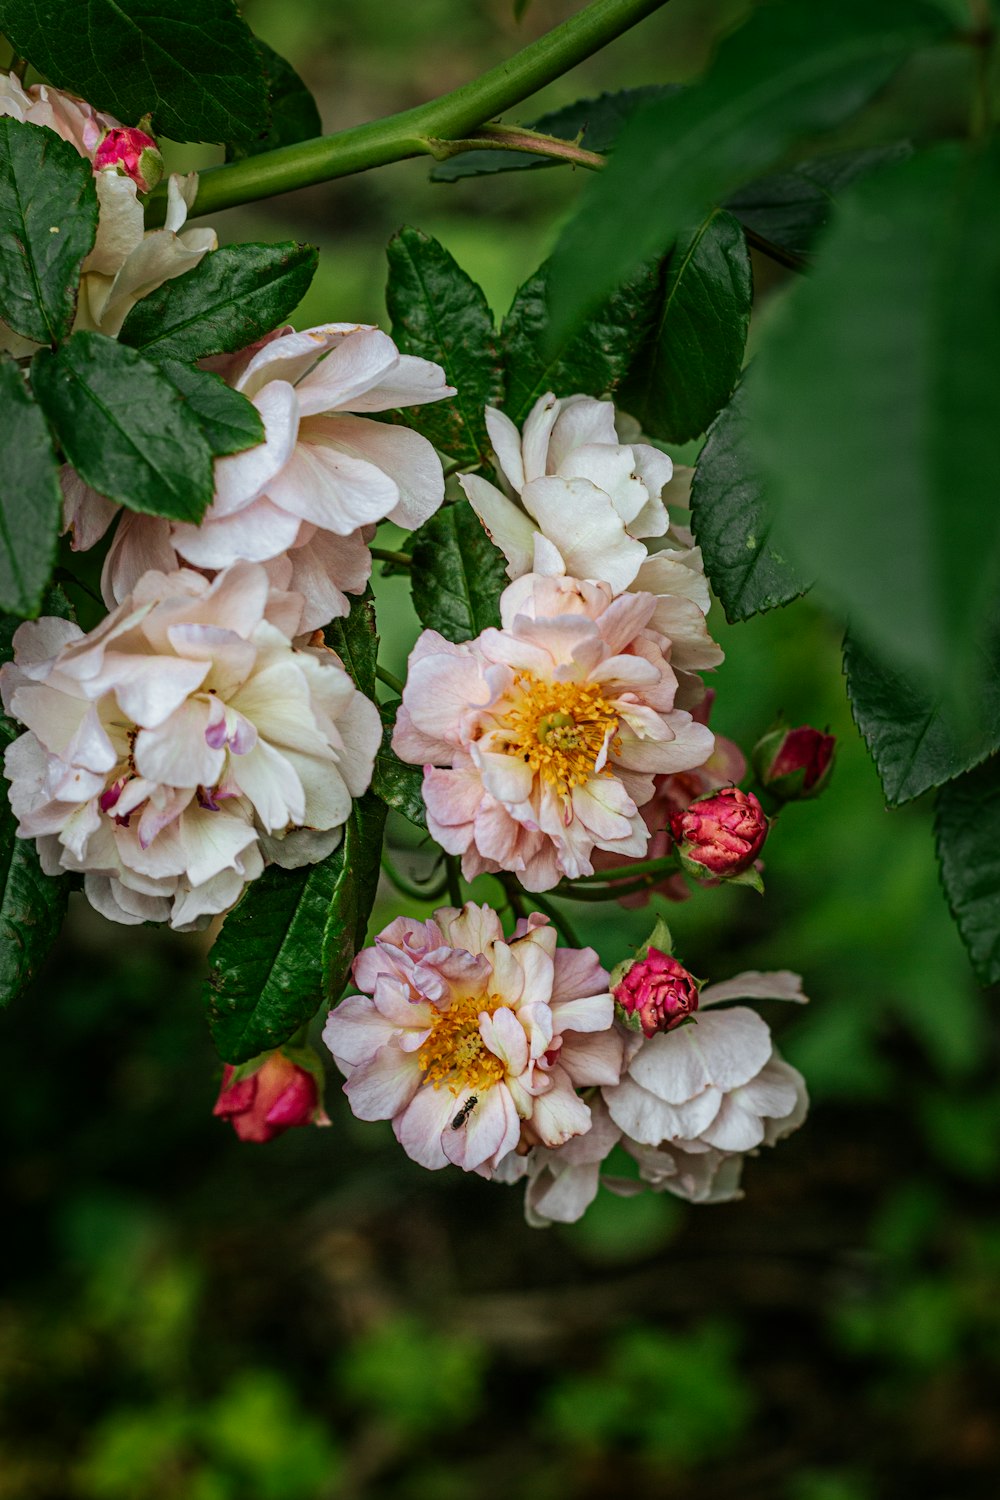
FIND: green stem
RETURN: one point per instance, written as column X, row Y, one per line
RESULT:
column 458, row 113
column 606, row 893
column 385, row 554
column 790, row 259
column 409, row 888
column 664, row 866
column 555, row 917
column 453, row 883
column 390, row 680
column 19, row 67
column 515, row 895
column 519, row 138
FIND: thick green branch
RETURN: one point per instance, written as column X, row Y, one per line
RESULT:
column 459, row 113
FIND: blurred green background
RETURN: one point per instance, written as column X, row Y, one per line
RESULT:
column 184, row 1317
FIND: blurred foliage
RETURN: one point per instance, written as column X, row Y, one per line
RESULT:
column 184, row 1317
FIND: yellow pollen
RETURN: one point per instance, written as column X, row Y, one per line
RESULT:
column 559, row 729
column 454, row 1053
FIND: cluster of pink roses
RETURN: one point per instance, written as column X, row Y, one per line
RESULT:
column 205, row 729
column 505, row 1058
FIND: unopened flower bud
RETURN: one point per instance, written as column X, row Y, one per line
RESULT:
column 275, row 1096
column 133, row 153
column 720, row 835
column 655, row 993
column 794, row 763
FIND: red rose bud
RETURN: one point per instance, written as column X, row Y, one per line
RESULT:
column 277, row 1096
column 721, row 834
column 656, row 993
column 133, row 153
column 794, row 763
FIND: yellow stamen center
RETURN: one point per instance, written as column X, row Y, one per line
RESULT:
column 559, row 729
column 454, row 1053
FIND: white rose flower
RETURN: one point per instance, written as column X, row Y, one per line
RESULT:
column 573, row 482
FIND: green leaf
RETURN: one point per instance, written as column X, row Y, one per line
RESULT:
column 287, row 946
column 231, row 298
column 228, row 421
column 294, row 115
column 874, row 410
column 591, row 123
column 916, row 738
column 967, row 828
column 792, row 208
column 732, row 522
column 457, row 575
column 685, row 372
column 591, row 363
column 438, row 312
column 400, row 786
column 48, row 222
column 30, row 497
column 790, row 71
column 124, row 427
column 191, row 64
column 355, row 640
column 32, row 904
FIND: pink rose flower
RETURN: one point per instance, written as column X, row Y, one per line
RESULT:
column 720, row 835
column 540, row 741
column 274, row 1098
column 656, row 993
column 183, row 740
column 471, row 1045
column 314, row 490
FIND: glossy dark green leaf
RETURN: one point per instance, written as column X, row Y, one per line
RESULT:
column 232, row 297
column 967, row 827
column 287, row 947
column 191, row 64
column 30, row 497
column 593, row 362
column 355, row 640
column 457, row 575
column 874, row 409
column 438, row 312
column 32, row 904
column 916, row 739
column 686, row 370
column 591, row 123
column 400, row 786
column 294, row 116
column 48, row 221
column 732, row 522
column 790, row 71
column 229, row 422
column 127, row 431
column 792, row 208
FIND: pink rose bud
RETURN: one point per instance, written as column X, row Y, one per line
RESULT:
column 278, row 1095
column 720, row 834
column 794, row 763
column 656, row 993
column 133, row 153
